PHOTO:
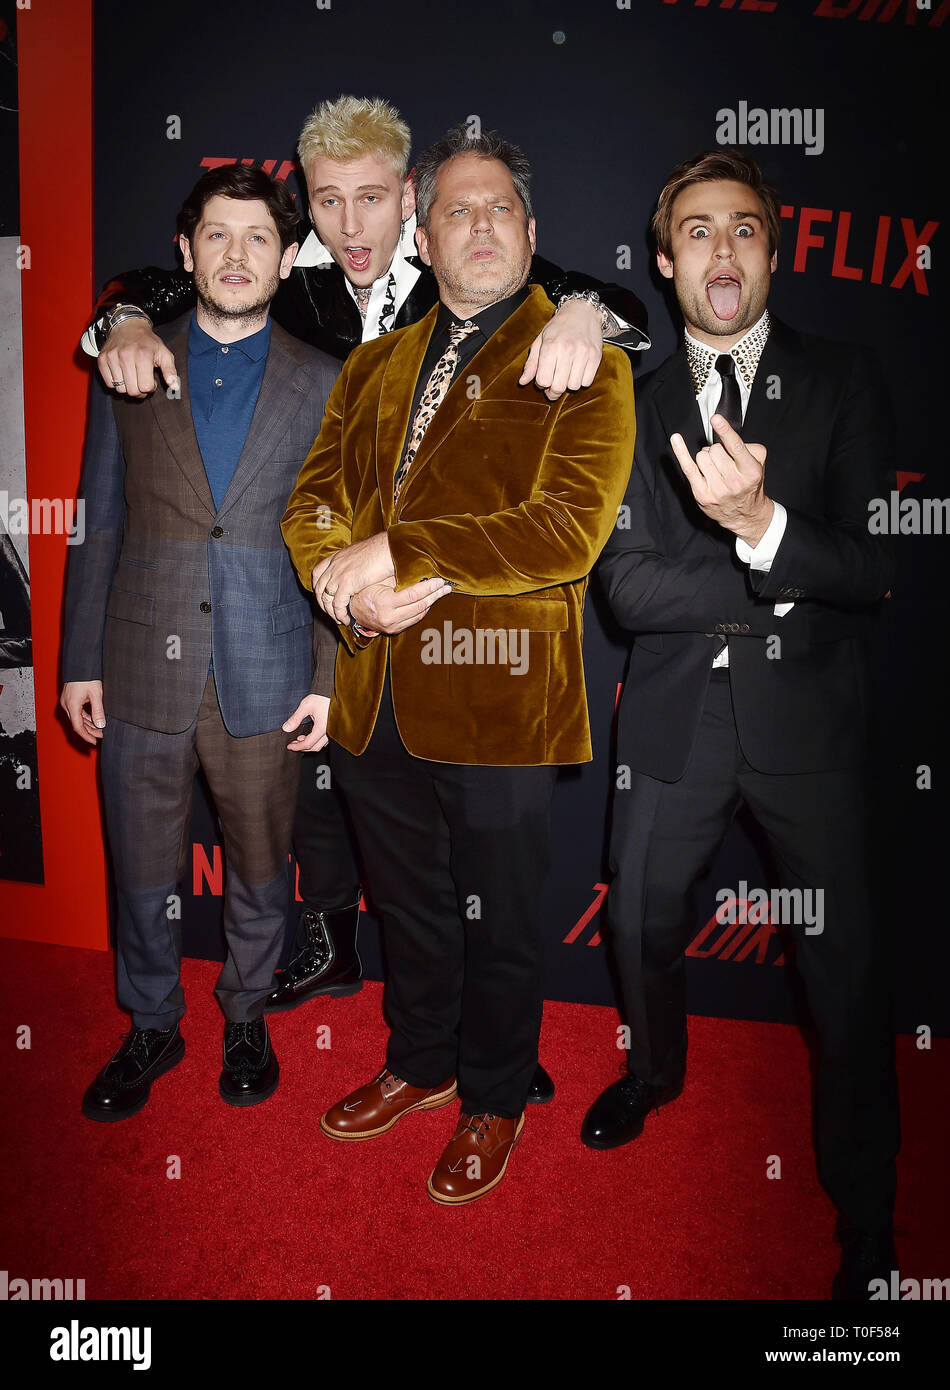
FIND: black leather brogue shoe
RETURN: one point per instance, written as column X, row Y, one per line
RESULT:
column 122, row 1087
column 542, row 1087
column 250, row 1072
column 618, row 1114
column 327, row 964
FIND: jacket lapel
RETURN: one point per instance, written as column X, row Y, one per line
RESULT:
column 272, row 415
column 517, row 332
column 173, row 417
column 677, row 405
column 767, row 414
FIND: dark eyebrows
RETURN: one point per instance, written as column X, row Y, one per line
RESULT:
column 733, row 217
column 251, row 226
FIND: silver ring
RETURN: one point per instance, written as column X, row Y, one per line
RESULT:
column 118, row 383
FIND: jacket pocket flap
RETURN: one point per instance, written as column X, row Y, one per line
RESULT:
column 514, row 612
column 131, row 608
column 512, row 412
column 287, row 616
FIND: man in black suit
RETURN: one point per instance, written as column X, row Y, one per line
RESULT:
column 743, row 564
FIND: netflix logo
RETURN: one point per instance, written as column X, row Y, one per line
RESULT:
column 892, row 251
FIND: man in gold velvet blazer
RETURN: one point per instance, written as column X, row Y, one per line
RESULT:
column 447, row 518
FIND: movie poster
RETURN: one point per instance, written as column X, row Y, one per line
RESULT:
column 21, row 848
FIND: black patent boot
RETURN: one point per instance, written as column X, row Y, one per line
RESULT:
column 328, row 963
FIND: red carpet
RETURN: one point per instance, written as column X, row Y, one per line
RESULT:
column 267, row 1207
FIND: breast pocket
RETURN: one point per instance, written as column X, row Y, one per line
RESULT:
column 522, row 611
column 510, row 412
column 286, row 617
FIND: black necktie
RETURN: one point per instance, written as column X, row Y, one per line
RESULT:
column 730, row 404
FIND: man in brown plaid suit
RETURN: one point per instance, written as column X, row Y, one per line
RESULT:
column 189, row 640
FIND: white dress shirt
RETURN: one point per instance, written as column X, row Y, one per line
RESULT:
column 746, row 354
column 314, row 253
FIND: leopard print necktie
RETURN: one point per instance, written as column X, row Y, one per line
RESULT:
column 432, row 397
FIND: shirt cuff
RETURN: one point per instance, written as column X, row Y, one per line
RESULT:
column 88, row 341
column 761, row 556
column 625, row 335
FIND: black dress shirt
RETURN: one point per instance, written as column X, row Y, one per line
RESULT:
column 488, row 320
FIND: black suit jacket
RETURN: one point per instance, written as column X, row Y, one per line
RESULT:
column 673, row 577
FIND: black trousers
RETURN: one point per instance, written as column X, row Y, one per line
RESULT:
column 665, row 836
column 323, row 839
column 455, row 858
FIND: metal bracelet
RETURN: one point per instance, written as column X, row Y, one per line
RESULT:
column 120, row 313
column 592, row 297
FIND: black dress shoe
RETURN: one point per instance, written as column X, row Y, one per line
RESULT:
column 865, row 1256
column 250, row 1071
column 122, row 1087
column 327, row 964
column 542, row 1087
column 618, row 1114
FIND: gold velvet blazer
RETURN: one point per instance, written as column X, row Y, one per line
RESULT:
column 510, row 498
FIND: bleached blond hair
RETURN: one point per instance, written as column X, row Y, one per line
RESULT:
column 351, row 127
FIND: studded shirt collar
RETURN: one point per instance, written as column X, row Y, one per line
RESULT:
column 745, row 353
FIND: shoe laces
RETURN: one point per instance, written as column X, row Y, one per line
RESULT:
column 240, row 1032
column 632, row 1089
column 479, row 1129
column 138, row 1040
column 312, row 957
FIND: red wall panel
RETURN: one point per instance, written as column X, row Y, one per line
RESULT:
column 55, row 43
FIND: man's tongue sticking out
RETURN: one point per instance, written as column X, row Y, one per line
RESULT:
column 723, row 294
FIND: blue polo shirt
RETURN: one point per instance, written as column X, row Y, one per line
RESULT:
column 224, row 381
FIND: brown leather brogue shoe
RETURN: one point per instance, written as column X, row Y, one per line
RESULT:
column 376, row 1107
column 475, row 1158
